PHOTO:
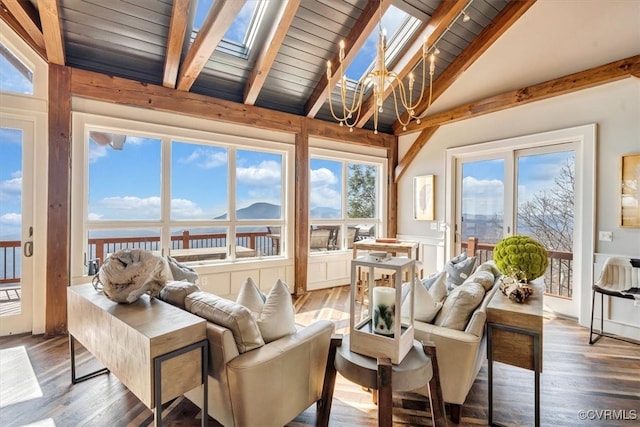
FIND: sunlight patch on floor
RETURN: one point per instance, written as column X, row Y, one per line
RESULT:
column 18, row 382
column 44, row 423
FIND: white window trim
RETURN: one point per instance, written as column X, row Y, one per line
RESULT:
column 345, row 158
column 83, row 123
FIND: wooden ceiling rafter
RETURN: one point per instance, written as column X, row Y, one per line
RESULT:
column 16, row 26
column 270, row 48
column 413, row 151
column 52, row 30
column 216, row 24
column 175, row 40
column 502, row 22
column 442, row 18
column 607, row 73
column 365, row 24
column 27, row 16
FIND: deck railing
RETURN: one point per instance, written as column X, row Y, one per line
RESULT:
column 257, row 241
column 558, row 280
column 11, row 258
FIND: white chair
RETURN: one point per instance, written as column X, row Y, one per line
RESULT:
column 620, row 278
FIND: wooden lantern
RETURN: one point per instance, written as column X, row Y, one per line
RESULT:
column 379, row 331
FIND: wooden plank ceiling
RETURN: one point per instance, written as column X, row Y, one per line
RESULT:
column 151, row 41
column 285, row 70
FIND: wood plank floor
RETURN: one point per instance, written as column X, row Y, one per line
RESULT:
column 603, row 379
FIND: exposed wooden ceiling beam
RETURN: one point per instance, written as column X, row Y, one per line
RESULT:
column 52, row 30
column 624, row 68
column 502, row 22
column 218, row 21
column 27, row 16
column 365, row 24
column 413, row 151
column 91, row 85
column 270, row 48
column 13, row 23
column 442, row 18
column 175, row 39
column 561, row 86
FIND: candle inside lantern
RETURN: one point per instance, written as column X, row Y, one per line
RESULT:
column 384, row 300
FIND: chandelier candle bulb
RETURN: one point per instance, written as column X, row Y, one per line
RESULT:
column 384, row 301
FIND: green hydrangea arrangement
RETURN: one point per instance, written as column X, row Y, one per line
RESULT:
column 521, row 257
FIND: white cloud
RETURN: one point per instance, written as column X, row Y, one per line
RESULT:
column 183, row 208
column 11, row 218
column 324, row 196
column 267, row 173
column 96, row 152
column 483, row 196
column 131, row 207
column 322, row 176
column 207, row 159
column 11, row 189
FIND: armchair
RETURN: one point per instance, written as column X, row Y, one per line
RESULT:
column 268, row 386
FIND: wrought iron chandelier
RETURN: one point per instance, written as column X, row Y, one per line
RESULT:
column 380, row 77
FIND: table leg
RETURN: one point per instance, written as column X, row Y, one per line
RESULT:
column 323, row 406
column 438, row 416
column 74, row 379
column 157, row 379
column 385, row 399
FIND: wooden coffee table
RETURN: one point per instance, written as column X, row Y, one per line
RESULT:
column 418, row 370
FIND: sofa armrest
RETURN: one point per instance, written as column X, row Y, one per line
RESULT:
column 222, row 349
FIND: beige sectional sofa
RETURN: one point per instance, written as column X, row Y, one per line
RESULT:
column 460, row 353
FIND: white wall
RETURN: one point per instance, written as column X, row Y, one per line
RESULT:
column 584, row 37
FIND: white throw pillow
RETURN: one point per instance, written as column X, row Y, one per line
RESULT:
column 438, row 288
column 276, row 314
column 425, row 307
column 251, row 297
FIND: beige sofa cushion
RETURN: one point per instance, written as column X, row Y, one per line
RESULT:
column 483, row 277
column 229, row 314
column 459, row 306
column 175, row 292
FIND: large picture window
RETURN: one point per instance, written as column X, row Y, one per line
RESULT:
column 195, row 197
column 344, row 200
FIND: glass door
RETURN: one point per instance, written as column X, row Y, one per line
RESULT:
column 16, row 229
column 545, row 211
column 530, row 192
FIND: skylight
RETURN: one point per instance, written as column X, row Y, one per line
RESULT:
column 240, row 36
column 399, row 27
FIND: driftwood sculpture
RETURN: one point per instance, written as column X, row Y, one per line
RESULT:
column 129, row 273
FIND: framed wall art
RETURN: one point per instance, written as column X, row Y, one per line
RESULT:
column 423, row 198
column 630, row 191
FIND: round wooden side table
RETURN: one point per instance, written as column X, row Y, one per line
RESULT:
column 416, row 371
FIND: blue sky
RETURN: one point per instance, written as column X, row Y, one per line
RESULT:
column 199, row 184
column 484, row 181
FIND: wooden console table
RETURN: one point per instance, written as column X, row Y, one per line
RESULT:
column 156, row 350
column 514, row 337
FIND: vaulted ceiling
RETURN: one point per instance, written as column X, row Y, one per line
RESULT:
column 285, row 70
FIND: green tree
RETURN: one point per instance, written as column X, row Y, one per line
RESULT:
column 548, row 216
column 361, row 196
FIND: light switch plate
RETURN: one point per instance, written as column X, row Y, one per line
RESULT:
column 605, row 236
